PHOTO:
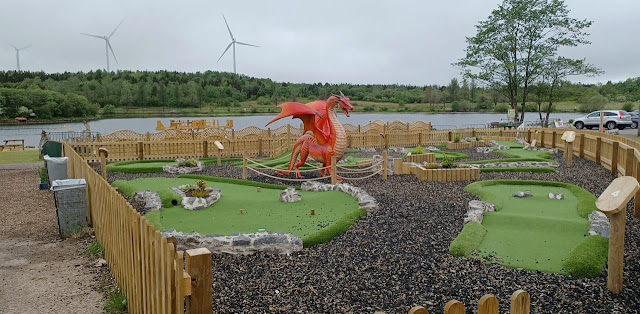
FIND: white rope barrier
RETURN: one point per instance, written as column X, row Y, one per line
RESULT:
column 362, row 178
column 276, row 169
column 358, row 170
column 287, row 179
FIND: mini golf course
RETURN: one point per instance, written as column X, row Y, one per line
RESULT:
column 281, row 162
column 151, row 166
column 535, row 233
column 516, row 153
column 335, row 211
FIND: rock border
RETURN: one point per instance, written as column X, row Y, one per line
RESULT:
column 198, row 203
column 174, row 169
column 238, row 243
column 365, row 201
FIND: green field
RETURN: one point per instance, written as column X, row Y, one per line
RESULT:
column 334, row 211
column 27, row 156
column 534, row 233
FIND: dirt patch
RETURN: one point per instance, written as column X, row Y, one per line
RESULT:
column 39, row 272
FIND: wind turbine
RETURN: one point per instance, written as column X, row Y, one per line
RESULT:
column 107, row 44
column 18, row 54
column 233, row 43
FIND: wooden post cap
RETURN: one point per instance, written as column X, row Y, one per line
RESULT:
column 218, row 145
column 104, row 151
column 617, row 194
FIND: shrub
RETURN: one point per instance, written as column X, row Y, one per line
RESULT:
column 419, row 150
column 44, row 177
column 530, row 107
column 448, row 162
column 502, row 108
column 457, row 139
column 188, row 163
column 468, row 240
column 108, row 110
column 368, row 108
column 455, row 106
column 628, row 106
column 593, row 102
column 588, row 258
column 95, row 249
column 431, row 166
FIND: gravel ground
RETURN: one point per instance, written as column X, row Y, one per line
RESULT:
column 397, row 257
column 39, row 272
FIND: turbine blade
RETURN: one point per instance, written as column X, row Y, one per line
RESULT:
column 225, row 51
column 25, row 47
column 237, row 42
column 116, row 29
column 14, row 47
column 96, row 36
column 112, row 53
column 229, row 29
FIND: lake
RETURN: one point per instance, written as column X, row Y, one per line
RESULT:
column 31, row 133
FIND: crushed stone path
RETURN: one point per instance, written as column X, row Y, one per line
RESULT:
column 39, row 272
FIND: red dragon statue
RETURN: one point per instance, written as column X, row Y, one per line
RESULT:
column 323, row 135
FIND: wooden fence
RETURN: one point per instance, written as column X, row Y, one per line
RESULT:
column 145, row 265
column 488, row 304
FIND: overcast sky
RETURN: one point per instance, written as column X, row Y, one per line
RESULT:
column 405, row 42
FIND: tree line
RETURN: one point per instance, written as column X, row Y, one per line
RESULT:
column 82, row 94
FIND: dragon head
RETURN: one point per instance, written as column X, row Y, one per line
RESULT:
column 344, row 104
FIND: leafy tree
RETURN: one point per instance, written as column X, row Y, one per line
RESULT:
column 108, row 110
column 510, row 48
column 126, row 97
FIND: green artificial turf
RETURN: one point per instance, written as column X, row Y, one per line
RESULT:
column 440, row 154
column 517, row 154
column 521, row 169
column 588, row 258
column 335, row 211
column 533, row 233
column 510, row 144
column 468, row 240
column 282, row 162
column 152, row 166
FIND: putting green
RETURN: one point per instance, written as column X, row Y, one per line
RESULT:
column 334, row 211
column 533, row 233
column 149, row 166
column 440, row 154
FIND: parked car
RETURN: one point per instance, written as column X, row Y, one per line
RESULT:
column 634, row 119
column 612, row 119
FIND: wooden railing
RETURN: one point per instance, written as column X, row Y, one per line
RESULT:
column 145, row 265
column 488, row 304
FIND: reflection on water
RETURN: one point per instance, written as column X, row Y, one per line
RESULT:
column 31, row 133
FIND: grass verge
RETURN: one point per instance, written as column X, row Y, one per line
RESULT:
column 335, row 229
column 468, row 240
column 116, row 302
column 27, row 156
column 588, row 258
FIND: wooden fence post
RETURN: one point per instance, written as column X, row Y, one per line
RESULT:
column 528, row 136
column 542, row 138
column 244, row 165
column 488, row 304
column 520, row 302
column 581, row 151
column 569, row 153
column 140, row 151
column 598, row 149
column 420, row 138
column 205, row 149
column 384, row 165
column 553, row 139
column 628, row 167
column 451, row 136
column 260, row 147
column 454, row 307
column 334, row 175
column 104, row 153
column 614, row 157
column 613, row 202
column 198, row 265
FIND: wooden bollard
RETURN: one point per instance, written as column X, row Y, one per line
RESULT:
column 198, row 266
column 334, row 175
column 313, row 212
column 241, row 211
column 613, row 202
column 104, row 153
column 568, row 137
column 244, row 166
column 384, row 165
column 258, row 189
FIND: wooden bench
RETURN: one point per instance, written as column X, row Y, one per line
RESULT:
column 12, row 145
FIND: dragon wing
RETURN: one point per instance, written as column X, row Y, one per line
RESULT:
column 297, row 110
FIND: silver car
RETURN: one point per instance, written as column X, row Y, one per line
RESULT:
column 612, row 119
